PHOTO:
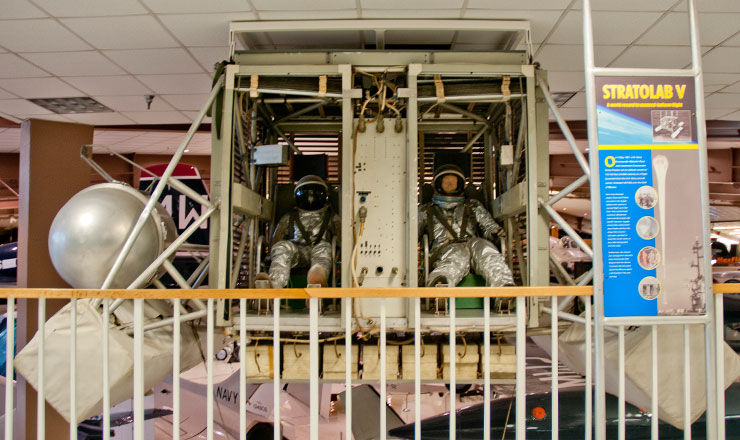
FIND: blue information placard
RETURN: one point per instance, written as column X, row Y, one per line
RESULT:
column 651, row 212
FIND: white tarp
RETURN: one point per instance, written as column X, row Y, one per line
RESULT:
column 157, row 356
column 638, row 367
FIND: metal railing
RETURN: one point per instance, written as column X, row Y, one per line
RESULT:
column 314, row 296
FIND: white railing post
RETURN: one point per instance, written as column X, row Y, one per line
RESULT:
column 383, row 381
column 106, row 369
column 313, row 306
column 452, row 309
column 487, row 368
column 176, row 370
column 9, row 346
column 41, row 392
column 276, row 368
column 554, row 390
column 210, row 318
column 521, row 372
column 138, row 369
column 242, row 368
column 73, row 369
column 348, row 368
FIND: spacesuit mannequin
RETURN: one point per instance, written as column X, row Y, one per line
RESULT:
column 303, row 236
column 452, row 223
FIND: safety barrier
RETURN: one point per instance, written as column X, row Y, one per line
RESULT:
column 313, row 296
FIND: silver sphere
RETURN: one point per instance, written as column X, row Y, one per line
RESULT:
column 89, row 231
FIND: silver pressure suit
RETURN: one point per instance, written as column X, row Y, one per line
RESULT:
column 290, row 248
column 452, row 255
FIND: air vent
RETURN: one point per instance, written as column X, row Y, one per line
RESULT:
column 561, row 98
column 62, row 106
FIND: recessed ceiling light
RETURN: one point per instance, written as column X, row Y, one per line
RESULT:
column 81, row 104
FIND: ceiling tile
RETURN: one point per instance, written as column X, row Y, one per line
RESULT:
column 193, row 115
column 209, row 56
column 721, row 78
column 668, row 57
column 521, row 4
column 565, row 81
column 734, row 41
column 569, row 57
column 722, row 60
column 91, row 8
column 609, row 27
column 713, row 6
column 734, row 88
column 132, row 103
column 51, row 117
column 627, row 5
column 101, row 118
column 731, row 117
column 21, row 106
column 178, row 84
column 44, row 35
column 716, row 113
column 20, row 9
column 540, row 21
column 157, row 117
column 577, row 101
column 410, row 13
column 673, row 29
column 711, row 88
column 13, row 66
column 202, row 29
column 723, row 100
column 194, row 102
column 89, row 63
column 6, row 95
column 411, row 4
column 272, row 5
column 39, row 88
column 309, row 15
column 572, row 113
column 108, row 85
column 154, row 61
column 145, row 32
column 196, row 6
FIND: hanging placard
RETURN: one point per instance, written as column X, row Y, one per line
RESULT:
column 651, row 210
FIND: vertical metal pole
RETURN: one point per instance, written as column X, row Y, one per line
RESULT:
column 487, row 368
column 209, row 367
column 588, row 55
column 686, row 383
column 554, row 413
column 588, row 423
column 276, row 369
column 106, row 369
column 313, row 307
column 383, row 381
column 41, row 392
column 242, row 368
column 719, row 340
column 621, row 411
column 521, row 372
column 138, row 369
column 713, row 351
column 73, row 369
column 654, row 382
column 176, row 370
column 452, row 307
column 347, row 173
column 417, row 368
column 348, row 361
column 9, row 348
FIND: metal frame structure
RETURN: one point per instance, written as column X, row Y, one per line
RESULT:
column 712, row 320
column 236, row 207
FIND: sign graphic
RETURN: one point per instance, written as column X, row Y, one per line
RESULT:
column 651, row 211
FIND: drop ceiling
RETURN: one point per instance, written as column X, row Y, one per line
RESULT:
column 119, row 51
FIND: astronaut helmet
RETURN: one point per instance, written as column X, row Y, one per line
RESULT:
column 449, row 181
column 311, row 193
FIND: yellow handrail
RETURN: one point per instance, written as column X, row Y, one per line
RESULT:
column 331, row 292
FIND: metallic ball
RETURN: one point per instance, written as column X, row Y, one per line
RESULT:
column 91, row 228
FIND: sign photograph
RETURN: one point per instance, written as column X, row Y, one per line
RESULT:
column 651, row 207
